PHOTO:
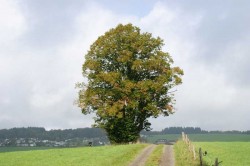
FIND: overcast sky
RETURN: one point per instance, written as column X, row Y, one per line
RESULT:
column 43, row 43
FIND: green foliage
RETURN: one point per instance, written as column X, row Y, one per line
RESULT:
column 120, row 155
column 230, row 153
column 129, row 80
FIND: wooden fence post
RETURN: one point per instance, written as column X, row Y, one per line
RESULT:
column 194, row 153
column 189, row 146
column 216, row 162
column 186, row 139
column 200, row 155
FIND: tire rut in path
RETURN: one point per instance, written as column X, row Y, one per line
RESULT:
column 143, row 156
column 167, row 158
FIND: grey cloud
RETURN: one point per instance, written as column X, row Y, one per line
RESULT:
column 210, row 43
column 135, row 8
column 209, row 40
column 50, row 22
column 222, row 24
column 220, row 37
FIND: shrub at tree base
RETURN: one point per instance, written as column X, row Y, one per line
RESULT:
column 130, row 79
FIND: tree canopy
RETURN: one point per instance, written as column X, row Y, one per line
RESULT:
column 130, row 79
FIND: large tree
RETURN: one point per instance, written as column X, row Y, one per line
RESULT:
column 130, row 79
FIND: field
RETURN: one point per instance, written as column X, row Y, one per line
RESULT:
column 89, row 156
column 230, row 153
column 13, row 149
column 231, row 149
column 203, row 137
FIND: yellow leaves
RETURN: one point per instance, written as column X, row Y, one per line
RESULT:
column 137, row 65
column 81, row 104
column 133, row 104
column 178, row 80
column 143, row 87
column 177, row 70
column 152, row 64
column 124, row 56
column 169, row 107
column 127, row 86
column 149, row 85
column 115, row 109
column 91, row 65
column 109, row 77
column 151, row 107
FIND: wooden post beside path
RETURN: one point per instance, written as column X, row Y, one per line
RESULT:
column 183, row 136
column 194, row 153
column 200, row 155
column 216, row 162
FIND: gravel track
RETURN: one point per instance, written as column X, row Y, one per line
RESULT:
column 142, row 157
column 167, row 158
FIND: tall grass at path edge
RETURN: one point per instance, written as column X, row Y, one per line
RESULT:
column 183, row 157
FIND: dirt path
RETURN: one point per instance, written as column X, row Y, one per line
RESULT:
column 142, row 157
column 167, row 158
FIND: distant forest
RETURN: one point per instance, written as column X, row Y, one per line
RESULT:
column 58, row 135
column 191, row 130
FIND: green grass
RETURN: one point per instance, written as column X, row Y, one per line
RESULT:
column 88, row 156
column 155, row 157
column 182, row 155
column 230, row 153
column 13, row 149
column 204, row 137
column 219, row 137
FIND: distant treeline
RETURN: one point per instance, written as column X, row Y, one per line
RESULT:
column 190, row 130
column 53, row 135
column 59, row 135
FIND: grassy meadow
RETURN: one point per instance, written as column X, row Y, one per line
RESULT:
column 203, row 137
column 13, row 149
column 231, row 149
column 119, row 155
column 230, row 153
